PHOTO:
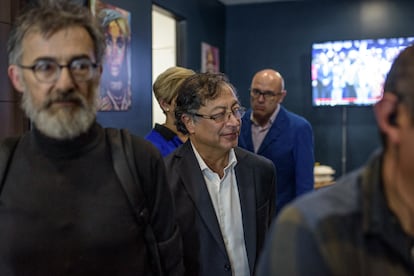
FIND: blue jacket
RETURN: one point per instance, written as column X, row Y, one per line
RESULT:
column 164, row 139
column 289, row 144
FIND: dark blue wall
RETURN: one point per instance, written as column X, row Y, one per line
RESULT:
column 205, row 22
column 280, row 35
column 275, row 35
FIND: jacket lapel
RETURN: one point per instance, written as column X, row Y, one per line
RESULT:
column 246, row 132
column 194, row 183
column 247, row 194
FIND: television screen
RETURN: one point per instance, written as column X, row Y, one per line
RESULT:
column 352, row 72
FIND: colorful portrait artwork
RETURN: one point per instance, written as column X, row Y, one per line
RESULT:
column 115, row 86
column 210, row 61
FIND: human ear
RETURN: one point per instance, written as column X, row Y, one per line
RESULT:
column 386, row 113
column 282, row 97
column 164, row 106
column 100, row 70
column 189, row 123
column 15, row 75
column 392, row 118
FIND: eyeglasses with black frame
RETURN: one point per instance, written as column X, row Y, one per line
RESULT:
column 48, row 70
column 221, row 117
column 256, row 93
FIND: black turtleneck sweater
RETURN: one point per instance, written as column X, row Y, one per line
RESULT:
column 63, row 211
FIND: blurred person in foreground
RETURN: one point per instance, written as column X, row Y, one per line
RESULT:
column 166, row 137
column 363, row 224
column 271, row 130
column 64, row 205
column 224, row 195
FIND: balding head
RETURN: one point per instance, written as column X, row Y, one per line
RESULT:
column 270, row 76
column 266, row 93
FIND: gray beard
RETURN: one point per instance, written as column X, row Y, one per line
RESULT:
column 64, row 123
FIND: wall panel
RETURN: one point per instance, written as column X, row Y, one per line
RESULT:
column 280, row 36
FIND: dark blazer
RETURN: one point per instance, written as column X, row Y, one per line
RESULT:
column 204, row 249
column 289, row 144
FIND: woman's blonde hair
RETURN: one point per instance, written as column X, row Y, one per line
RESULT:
column 166, row 85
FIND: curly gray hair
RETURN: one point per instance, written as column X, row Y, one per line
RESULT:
column 49, row 16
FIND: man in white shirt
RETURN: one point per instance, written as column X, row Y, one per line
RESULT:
column 224, row 195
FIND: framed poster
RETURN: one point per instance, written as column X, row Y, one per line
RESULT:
column 210, row 59
column 115, row 86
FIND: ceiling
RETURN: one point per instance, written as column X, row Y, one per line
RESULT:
column 237, row 2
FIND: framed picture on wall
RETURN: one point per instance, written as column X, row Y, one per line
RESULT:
column 210, row 59
column 115, row 86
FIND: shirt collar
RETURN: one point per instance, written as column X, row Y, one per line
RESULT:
column 378, row 219
column 203, row 165
column 165, row 132
column 375, row 205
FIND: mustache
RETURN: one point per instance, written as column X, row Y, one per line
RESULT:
column 65, row 96
column 232, row 130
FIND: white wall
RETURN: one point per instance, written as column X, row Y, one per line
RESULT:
column 163, row 52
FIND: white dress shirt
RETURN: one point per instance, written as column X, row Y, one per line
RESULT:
column 224, row 195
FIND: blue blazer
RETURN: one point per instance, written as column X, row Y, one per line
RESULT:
column 204, row 250
column 289, row 144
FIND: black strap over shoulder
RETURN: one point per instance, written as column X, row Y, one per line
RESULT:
column 7, row 147
column 125, row 168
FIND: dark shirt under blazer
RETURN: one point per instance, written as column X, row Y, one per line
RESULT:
column 204, row 249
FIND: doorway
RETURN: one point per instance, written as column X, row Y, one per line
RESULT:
column 164, row 51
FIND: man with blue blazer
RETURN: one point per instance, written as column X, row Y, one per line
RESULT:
column 224, row 195
column 270, row 130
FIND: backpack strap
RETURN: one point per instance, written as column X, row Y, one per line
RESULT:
column 125, row 168
column 7, row 147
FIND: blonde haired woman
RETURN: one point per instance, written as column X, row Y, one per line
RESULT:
column 166, row 137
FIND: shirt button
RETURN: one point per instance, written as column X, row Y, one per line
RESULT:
column 227, row 267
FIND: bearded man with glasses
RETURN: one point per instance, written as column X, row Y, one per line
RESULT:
column 224, row 195
column 272, row 131
column 65, row 206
